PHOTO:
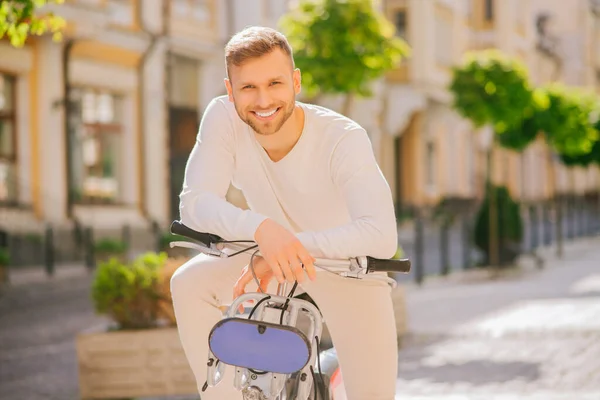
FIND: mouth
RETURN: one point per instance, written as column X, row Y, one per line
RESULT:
column 266, row 115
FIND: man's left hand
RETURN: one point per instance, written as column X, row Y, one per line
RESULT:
column 263, row 272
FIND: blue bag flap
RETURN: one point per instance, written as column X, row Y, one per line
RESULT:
column 259, row 345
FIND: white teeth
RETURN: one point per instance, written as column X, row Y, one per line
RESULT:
column 268, row 114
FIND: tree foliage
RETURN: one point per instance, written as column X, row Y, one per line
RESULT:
column 586, row 159
column 568, row 120
column 518, row 137
column 492, row 88
column 21, row 18
column 341, row 46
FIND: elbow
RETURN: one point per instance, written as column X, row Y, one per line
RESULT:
column 385, row 241
column 186, row 213
column 389, row 246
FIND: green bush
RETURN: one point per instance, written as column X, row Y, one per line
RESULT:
column 128, row 292
column 4, row 257
column 509, row 223
column 110, row 246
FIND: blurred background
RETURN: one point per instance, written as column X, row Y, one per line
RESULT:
column 482, row 115
column 98, row 124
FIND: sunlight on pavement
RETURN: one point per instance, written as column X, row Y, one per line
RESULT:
column 507, row 396
column 587, row 285
column 532, row 350
column 556, row 315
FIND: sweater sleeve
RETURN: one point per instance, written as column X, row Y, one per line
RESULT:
column 208, row 174
column 372, row 230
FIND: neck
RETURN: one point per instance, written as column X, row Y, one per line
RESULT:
column 279, row 144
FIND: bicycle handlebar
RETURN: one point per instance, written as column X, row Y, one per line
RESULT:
column 371, row 264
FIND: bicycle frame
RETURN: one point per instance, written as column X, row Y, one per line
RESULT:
column 272, row 384
column 279, row 309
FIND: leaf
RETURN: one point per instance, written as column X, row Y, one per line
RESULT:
column 21, row 18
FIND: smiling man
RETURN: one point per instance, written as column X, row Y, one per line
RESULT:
column 313, row 188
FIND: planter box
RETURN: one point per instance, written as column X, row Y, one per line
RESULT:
column 126, row 364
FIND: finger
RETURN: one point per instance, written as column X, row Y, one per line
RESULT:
column 296, row 267
column 265, row 281
column 238, row 291
column 284, row 264
column 240, row 286
column 308, row 262
column 276, row 269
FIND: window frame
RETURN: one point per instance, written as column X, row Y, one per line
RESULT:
column 96, row 129
column 12, row 117
column 488, row 11
column 13, row 157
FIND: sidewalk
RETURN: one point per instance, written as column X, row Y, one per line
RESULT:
column 531, row 334
column 527, row 335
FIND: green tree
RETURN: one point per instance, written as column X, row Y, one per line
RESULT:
column 568, row 120
column 21, row 18
column 568, row 126
column 583, row 160
column 341, row 46
column 492, row 89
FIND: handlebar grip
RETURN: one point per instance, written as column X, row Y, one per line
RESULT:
column 390, row 265
column 177, row 228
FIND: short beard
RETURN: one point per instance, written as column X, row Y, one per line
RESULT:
column 287, row 110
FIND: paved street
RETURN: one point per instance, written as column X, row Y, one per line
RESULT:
column 37, row 348
column 533, row 335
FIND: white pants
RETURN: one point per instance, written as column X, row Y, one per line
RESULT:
column 359, row 316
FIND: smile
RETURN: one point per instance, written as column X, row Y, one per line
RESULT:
column 266, row 115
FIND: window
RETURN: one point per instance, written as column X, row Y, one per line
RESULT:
column 401, row 24
column 469, row 10
column 121, row 12
column 198, row 10
column 96, row 156
column 8, row 184
column 489, row 10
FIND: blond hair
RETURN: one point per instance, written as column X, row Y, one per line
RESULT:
column 254, row 42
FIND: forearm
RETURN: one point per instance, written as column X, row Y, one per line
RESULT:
column 207, row 212
column 358, row 238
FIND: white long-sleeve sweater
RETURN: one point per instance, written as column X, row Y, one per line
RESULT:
column 328, row 189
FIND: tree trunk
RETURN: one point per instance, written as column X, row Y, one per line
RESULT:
column 558, row 207
column 493, row 211
column 347, row 106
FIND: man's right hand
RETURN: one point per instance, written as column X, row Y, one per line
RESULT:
column 283, row 252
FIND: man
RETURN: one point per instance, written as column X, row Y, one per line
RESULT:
column 313, row 188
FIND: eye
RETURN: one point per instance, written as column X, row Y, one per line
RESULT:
column 275, row 83
column 248, row 87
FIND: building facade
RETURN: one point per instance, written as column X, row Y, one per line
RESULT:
column 97, row 129
column 434, row 154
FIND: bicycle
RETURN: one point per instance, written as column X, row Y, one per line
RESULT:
column 275, row 347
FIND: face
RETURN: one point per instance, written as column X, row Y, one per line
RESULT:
column 263, row 91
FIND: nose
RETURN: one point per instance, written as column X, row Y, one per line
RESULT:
column 263, row 100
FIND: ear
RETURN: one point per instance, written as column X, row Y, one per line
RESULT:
column 297, row 77
column 229, row 89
